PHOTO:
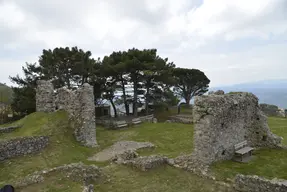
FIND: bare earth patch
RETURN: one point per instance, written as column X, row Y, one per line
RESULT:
column 119, row 148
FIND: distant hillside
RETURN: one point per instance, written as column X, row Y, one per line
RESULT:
column 5, row 93
column 268, row 91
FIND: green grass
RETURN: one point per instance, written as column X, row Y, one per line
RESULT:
column 170, row 140
column 269, row 163
column 163, row 179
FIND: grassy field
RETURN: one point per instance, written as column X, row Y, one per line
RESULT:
column 171, row 140
column 269, row 163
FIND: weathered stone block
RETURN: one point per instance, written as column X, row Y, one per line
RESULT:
column 221, row 121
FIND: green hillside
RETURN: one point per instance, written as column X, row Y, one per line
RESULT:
column 171, row 140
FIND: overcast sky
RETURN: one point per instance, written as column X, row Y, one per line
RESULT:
column 232, row 41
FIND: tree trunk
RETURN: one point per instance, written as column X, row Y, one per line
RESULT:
column 125, row 98
column 135, row 106
column 147, row 101
column 114, row 107
column 187, row 99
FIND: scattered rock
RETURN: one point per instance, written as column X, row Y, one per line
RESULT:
column 119, row 148
column 147, row 162
column 124, row 156
column 78, row 172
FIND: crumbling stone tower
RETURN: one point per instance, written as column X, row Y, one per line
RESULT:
column 45, row 96
column 79, row 104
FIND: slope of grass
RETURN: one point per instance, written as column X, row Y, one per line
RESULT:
column 170, row 139
column 269, row 163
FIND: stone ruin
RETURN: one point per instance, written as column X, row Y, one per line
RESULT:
column 78, row 103
column 223, row 120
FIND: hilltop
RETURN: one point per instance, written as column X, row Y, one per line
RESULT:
column 170, row 139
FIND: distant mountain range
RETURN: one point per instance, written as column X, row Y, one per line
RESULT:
column 268, row 91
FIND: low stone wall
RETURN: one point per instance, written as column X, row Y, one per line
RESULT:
column 22, row 146
column 9, row 129
column 248, row 183
column 147, row 118
column 77, row 172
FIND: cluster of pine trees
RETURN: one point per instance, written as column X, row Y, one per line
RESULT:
column 158, row 79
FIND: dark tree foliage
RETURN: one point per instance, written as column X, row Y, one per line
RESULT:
column 115, row 69
column 144, row 70
column 189, row 83
column 24, row 100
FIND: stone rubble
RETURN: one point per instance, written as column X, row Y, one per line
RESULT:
column 77, row 172
column 248, row 183
column 119, row 148
column 145, row 163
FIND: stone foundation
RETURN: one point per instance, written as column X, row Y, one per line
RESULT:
column 22, row 146
column 247, row 183
column 147, row 162
column 77, row 172
column 221, row 121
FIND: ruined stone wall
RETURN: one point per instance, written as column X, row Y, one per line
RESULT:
column 84, row 116
column 45, row 96
column 247, row 183
column 223, row 120
column 78, row 103
column 22, row 146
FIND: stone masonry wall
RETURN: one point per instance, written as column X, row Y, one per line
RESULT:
column 45, row 96
column 223, row 120
column 247, row 183
column 22, row 146
column 84, row 116
column 78, row 103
